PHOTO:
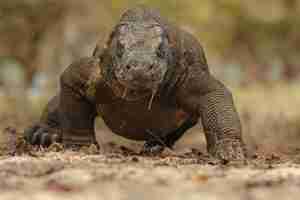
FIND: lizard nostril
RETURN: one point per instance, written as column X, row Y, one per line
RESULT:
column 128, row 67
column 151, row 67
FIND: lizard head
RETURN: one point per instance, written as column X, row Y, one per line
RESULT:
column 140, row 52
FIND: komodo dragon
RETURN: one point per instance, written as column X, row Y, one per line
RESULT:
column 149, row 82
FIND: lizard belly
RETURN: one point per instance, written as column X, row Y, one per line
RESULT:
column 134, row 120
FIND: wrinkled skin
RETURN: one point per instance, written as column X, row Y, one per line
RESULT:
column 140, row 62
column 150, row 82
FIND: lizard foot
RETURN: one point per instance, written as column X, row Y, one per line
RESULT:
column 42, row 135
column 229, row 151
column 152, row 148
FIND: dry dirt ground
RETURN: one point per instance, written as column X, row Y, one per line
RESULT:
column 117, row 171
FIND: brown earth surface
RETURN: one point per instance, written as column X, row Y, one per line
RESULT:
column 124, row 175
column 118, row 171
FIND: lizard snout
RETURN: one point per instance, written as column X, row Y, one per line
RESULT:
column 137, row 75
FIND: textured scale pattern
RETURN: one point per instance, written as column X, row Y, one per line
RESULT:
column 221, row 127
column 188, row 92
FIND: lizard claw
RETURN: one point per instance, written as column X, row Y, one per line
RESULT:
column 43, row 136
column 229, row 151
column 152, row 148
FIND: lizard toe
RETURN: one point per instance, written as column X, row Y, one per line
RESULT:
column 45, row 139
column 35, row 139
column 152, row 148
column 28, row 133
column 43, row 136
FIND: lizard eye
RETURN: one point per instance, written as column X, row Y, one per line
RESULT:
column 123, row 28
column 120, row 49
column 160, row 51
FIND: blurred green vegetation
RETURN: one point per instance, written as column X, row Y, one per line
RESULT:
column 245, row 41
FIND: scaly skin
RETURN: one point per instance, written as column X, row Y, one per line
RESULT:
column 152, row 91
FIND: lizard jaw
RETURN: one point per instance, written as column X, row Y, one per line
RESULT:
column 127, row 93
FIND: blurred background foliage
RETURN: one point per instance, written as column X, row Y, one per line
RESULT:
column 253, row 46
column 245, row 41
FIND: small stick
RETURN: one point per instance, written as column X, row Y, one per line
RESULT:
column 151, row 99
column 124, row 93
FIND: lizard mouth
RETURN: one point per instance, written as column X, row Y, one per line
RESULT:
column 134, row 94
column 129, row 93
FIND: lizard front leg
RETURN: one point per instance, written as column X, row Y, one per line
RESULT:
column 212, row 101
column 72, row 112
column 48, row 129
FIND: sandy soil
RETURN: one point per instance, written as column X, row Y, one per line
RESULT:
column 119, row 172
column 123, row 174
